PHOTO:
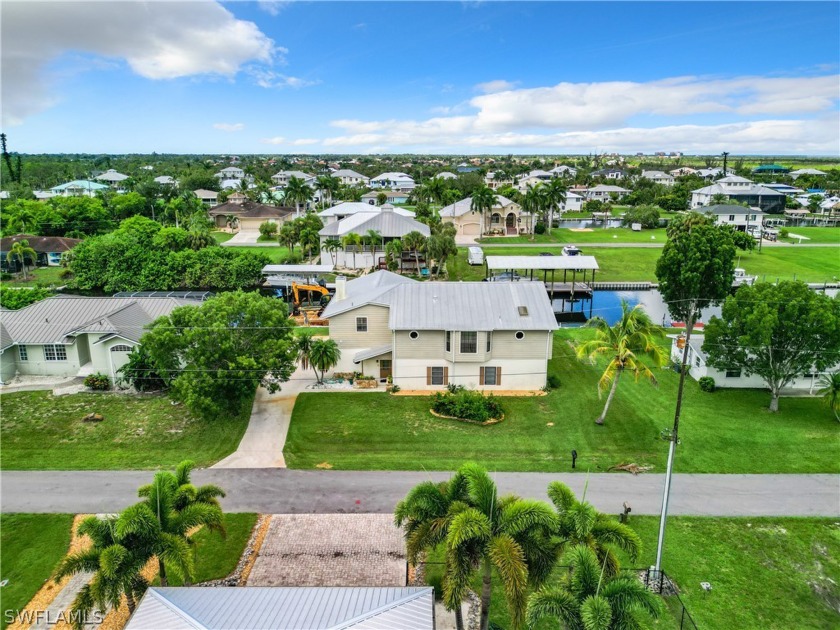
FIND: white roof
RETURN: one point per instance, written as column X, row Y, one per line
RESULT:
column 650, row 174
column 348, row 208
column 165, row 179
column 112, row 175
column 734, row 179
column 501, row 263
column 273, row 269
column 346, row 172
column 608, row 188
column 460, row 208
column 374, row 288
column 389, row 224
column 392, row 177
column 807, row 171
column 446, row 175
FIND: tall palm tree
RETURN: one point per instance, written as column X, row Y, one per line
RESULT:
column 437, row 188
column 323, row 356
column 555, row 195
column 309, row 240
column 579, row 523
column 483, row 200
column 393, row 253
column 415, row 242
column 509, row 537
column 116, row 563
column 534, row 203
column 299, row 192
column 332, row 245
column 624, row 344
column 288, row 235
column 172, row 507
column 328, row 184
column 830, row 391
column 374, row 239
column 303, row 345
column 586, row 598
column 20, row 251
column 351, row 240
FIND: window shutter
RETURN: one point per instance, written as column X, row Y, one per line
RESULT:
column 481, row 376
column 445, row 375
column 498, row 376
column 428, row 376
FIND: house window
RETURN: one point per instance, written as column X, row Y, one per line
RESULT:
column 731, row 217
column 361, row 324
column 733, row 373
column 491, row 376
column 469, row 342
column 447, row 343
column 55, row 353
column 437, row 376
column 697, row 361
column 489, row 336
column 121, row 348
column 22, row 354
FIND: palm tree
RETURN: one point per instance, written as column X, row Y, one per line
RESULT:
column 579, row 523
column 440, row 247
column 534, row 203
column 328, row 184
column 332, row 245
column 624, row 344
column 303, row 345
column 173, row 507
column 483, row 200
column 288, row 235
column 323, row 356
column 586, row 598
column 232, row 221
column 298, row 191
column 555, row 195
column 830, row 392
column 351, row 240
column 374, row 239
column 393, row 253
column 415, row 242
column 436, row 189
column 510, row 536
column 116, row 563
column 21, row 250
column 309, row 240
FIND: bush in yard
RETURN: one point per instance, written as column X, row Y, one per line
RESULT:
column 467, row 405
column 539, row 228
column 98, row 382
column 784, row 233
column 707, row 383
column 268, row 229
column 13, row 298
column 553, row 381
column 647, row 216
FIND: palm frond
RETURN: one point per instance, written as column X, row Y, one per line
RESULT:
column 176, row 553
column 521, row 515
column 183, row 471
column 481, row 488
column 561, row 496
column 585, row 571
column 596, row 614
column 469, row 525
column 71, row 564
column 509, row 560
column 608, row 531
column 556, row 603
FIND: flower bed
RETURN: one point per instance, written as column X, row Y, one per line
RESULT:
column 469, row 406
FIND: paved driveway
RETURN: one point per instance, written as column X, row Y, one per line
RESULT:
column 243, row 237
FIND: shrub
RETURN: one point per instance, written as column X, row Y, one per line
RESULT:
column 452, row 388
column 784, row 233
column 467, row 405
column 707, row 383
column 14, row 299
column 65, row 273
column 268, row 229
column 5, row 276
column 539, row 228
column 97, row 381
column 553, row 381
column 394, row 388
column 647, row 216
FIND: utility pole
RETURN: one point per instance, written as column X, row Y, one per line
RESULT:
column 725, row 156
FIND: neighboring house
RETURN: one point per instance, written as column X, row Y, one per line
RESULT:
column 350, row 178
column 426, row 335
column 112, row 177
column 285, row 608
column 77, row 336
column 165, row 180
column 786, row 189
column 445, row 175
column 742, row 190
column 282, row 178
column 532, row 179
column 658, row 177
column 233, row 184
column 714, row 172
column 493, row 182
column 737, row 216
column 573, row 203
column 563, row 171
column 609, row 173
column 348, row 208
column 770, row 169
column 506, row 217
column 604, row 192
column 683, row 170
column 49, row 250
column 43, row 195
column 209, row 197
column 250, row 214
column 807, row 171
column 390, row 225
column 78, row 188
column 733, row 378
column 231, row 172
column 391, row 196
column 395, row 181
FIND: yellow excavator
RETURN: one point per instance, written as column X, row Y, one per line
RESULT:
column 308, row 310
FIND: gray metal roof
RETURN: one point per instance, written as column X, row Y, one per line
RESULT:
column 471, row 306
column 346, row 208
column 53, row 319
column 5, row 338
column 374, row 288
column 372, row 352
column 725, row 208
column 389, row 224
column 540, row 263
column 285, row 608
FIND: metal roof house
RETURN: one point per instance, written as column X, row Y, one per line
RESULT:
column 77, row 336
column 285, row 608
column 78, row 188
column 743, row 190
column 425, row 335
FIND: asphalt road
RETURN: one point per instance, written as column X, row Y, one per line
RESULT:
column 327, row 491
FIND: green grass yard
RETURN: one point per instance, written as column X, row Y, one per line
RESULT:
column 44, row 432
column 32, row 546
column 39, row 276
column 816, row 235
column 729, row 431
column 768, row 573
column 593, row 235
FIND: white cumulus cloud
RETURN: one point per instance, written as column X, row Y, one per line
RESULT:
column 158, row 40
column 229, row 126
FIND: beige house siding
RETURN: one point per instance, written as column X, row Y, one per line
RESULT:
column 535, row 344
column 343, row 332
column 528, row 374
column 428, row 345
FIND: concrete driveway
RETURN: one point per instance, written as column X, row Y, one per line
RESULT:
column 243, row 237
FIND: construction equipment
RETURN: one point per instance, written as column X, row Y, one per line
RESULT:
column 309, row 289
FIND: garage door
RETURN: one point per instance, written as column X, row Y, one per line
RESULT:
column 250, row 224
column 471, row 229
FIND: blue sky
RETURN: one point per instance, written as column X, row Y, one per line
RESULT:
column 434, row 77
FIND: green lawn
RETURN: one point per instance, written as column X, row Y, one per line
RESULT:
column 629, row 264
column 215, row 556
column 221, row 237
column 768, row 573
column 593, row 235
column 816, row 235
column 32, row 546
column 383, row 432
column 47, row 276
column 45, row 432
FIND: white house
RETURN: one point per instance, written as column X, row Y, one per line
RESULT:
column 78, row 188
column 732, row 378
column 77, row 336
column 426, row 335
column 737, row 216
column 445, row 175
column 165, row 180
column 231, row 172
column 208, row 197
column 573, row 203
column 282, row 178
column 740, row 189
column 348, row 208
column 658, row 177
column 563, row 171
column 401, row 182
column 683, row 170
column 111, row 176
column 391, row 196
column 350, row 178
column 604, row 192
column 807, row 171
column 609, row 173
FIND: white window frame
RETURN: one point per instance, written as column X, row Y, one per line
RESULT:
column 121, row 347
column 58, row 352
column 361, row 321
column 437, row 380
column 23, row 354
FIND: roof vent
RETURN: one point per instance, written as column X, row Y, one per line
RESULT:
column 523, row 311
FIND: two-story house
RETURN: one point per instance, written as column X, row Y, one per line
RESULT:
column 742, row 190
column 659, row 177
column 426, row 335
column 401, row 182
column 350, row 178
column 740, row 217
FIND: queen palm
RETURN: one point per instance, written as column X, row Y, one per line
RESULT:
column 579, row 523
column 303, row 346
column 332, row 245
column 508, row 537
column 587, row 598
column 21, row 251
column 624, row 345
column 309, row 240
column 830, row 391
column 173, row 507
column 374, row 239
column 323, row 356
column 328, row 184
column 483, row 200
column 288, row 235
column 299, row 192
column 393, row 253
column 437, row 189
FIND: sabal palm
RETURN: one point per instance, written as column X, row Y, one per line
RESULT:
column 173, row 506
column 830, row 391
column 116, row 563
column 508, row 536
column 21, row 251
column 586, row 598
column 624, row 345
column 579, row 523
column 483, row 200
